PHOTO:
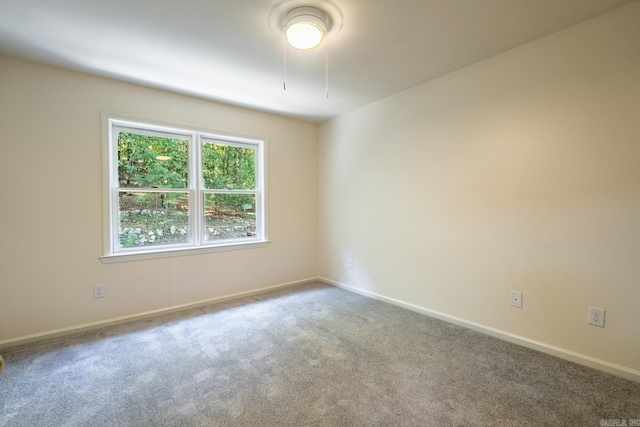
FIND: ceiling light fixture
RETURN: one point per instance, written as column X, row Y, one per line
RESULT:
column 306, row 27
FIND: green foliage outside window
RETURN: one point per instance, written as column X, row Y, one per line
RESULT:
column 155, row 162
column 226, row 167
column 152, row 161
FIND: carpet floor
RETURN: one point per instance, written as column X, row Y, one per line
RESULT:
column 310, row 355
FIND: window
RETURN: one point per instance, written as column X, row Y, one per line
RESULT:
column 173, row 190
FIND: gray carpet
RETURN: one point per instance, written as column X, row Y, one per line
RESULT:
column 311, row 355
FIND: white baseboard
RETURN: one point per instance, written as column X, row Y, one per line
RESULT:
column 602, row 365
column 34, row 338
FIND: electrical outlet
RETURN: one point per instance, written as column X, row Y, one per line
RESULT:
column 516, row 299
column 596, row 316
column 98, row 291
column 350, row 264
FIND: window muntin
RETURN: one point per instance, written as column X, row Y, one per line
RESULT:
column 174, row 189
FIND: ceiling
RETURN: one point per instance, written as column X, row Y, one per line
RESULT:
column 232, row 50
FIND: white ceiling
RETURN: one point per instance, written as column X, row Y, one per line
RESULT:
column 229, row 51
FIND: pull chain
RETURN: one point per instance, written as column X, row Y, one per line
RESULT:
column 284, row 64
column 326, row 69
column 284, row 57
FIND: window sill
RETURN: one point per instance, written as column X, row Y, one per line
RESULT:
column 174, row 252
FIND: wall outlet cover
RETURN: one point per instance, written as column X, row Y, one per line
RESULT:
column 596, row 316
column 98, row 291
column 515, row 298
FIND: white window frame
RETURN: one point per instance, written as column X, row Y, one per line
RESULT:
column 112, row 252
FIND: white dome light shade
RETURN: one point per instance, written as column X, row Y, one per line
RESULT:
column 306, row 27
column 305, row 35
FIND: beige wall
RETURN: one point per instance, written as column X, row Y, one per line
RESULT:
column 51, row 204
column 519, row 172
